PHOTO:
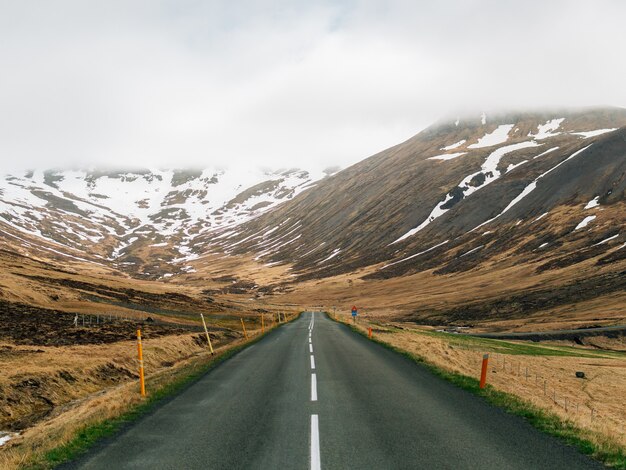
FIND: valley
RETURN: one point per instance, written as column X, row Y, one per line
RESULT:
column 512, row 222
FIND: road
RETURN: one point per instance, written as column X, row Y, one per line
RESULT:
column 313, row 394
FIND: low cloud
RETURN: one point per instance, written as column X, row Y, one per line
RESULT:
column 186, row 83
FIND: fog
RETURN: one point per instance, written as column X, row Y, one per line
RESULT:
column 176, row 83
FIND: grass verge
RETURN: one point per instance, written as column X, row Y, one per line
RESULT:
column 89, row 435
column 609, row 453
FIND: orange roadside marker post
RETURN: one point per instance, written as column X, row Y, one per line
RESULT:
column 483, row 372
column 369, row 332
column 142, row 380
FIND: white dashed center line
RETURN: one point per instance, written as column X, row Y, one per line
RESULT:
column 315, row 444
column 312, row 362
column 313, row 387
column 311, row 348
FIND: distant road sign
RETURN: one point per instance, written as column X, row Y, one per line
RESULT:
column 354, row 311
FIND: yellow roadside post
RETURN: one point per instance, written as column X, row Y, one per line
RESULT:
column 142, row 381
column 208, row 338
column 245, row 334
column 262, row 323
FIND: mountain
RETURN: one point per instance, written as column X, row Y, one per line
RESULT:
column 456, row 181
column 497, row 217
column 141, row 221
column 492, row 216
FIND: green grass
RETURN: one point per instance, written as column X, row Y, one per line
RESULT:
column 609, row 453
column 515, row 348
column 86, row 437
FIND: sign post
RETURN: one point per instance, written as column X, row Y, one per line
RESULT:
column 354, row 313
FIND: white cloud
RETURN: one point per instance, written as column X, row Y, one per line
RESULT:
column 276, row 83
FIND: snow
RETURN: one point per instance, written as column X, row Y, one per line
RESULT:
column 453, row 146
column 546, row 152
column 499, row 136
column 589, row 134
column 456, row 123
column 586, row 221
column 415, row 255
column 606, row 240
column 530, row 188
column 488, row 168
column 593, row 203
column 483, row 119
column 543, row 245
column 333, row 254
column 512, row 166
column 447, row 156
column 4, row 438
column 472, row 251
column 547, row 130
column 118, row 204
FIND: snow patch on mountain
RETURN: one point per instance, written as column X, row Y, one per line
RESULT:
column 497, row 137
column 447, row 156
column 589, row 134
column 586, row 221
column 546, row 130
column 453, row 146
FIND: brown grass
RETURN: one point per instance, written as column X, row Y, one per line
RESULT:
column 89, row 401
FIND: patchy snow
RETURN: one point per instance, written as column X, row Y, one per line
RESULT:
column 606, row 240
column 490, row 171
column 586, row 221
column 453, row 146
column 499, row 136
column 333, row 254
column 89, row 207
column 512, row 166
column 588, row 134
column 530, row 188
column 543, row 245
column 472, row 251
column 546, row 130
column 456, row 123
column 593, row 203
column 447, row 156
column 483, row 119
column 546, row 152
column 4, row 438
column 415, row 255
column 541, row 216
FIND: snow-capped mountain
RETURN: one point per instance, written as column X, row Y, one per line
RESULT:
column 545, row 186
column 120, row 216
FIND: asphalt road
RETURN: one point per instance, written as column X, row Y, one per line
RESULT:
column 313, row 394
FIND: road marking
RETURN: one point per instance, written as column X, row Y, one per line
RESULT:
column 311, row 348
column 315, row 444
column 312, row 362
column 313, row 387
column 309, row 340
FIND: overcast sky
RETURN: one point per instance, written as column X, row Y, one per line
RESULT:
column 190, row 82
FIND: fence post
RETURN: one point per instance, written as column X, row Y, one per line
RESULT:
column 483, row 372
column 208, row 338
column 141, row 373
column 245, row 334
